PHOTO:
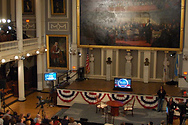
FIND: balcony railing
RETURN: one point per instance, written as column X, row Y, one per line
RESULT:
column 11, row 47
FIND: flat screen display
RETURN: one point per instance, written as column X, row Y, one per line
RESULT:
column 50, row 76
column 122, row 84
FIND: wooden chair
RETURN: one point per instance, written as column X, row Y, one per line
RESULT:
column 129, row 107
column 101, row 105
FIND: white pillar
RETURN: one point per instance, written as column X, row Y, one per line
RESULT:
column 40, row 72
column 4, row 9
column 39, row 35
column 21, row 89
column 166, row 64
column 92, row 64
column 128, row 65
column 13, row 14
column 74, row 37
column 185, row 49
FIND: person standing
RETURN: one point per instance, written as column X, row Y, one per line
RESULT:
column 171, row 105
column 161, row 96
column 182, row 109
column 148, row 31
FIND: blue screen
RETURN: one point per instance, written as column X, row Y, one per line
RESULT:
column 122, row 83
column 50, row 76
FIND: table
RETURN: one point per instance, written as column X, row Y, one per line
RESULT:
column 114, row 107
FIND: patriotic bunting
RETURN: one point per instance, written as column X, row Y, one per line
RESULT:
column 148, row 102
column 66, row 95
column 91, row 97
column 120, row 97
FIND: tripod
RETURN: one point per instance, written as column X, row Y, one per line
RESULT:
column 42, row 109
column 3, row 99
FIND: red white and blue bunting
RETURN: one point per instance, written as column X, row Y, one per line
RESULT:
column 93, row 97
column 148, row 102
column 120, row 97
column 66, row 95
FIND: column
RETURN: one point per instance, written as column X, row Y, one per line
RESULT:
column 4, row 9
column 21, row 89
column 74, row 37
column 92, row 59
column 39, row 72
column 128, row 65
column 13, row 15
column 108, row 69
column 39, row 35
column 166, row 64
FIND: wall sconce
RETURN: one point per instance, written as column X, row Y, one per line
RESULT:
column 37, row 52
column 22, row 57
column 3, row 60
column 79, row 54
column 185, row 57
column 16, row 57
column 28, row 54
column 72, row 52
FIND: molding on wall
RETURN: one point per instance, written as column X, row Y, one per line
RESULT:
column 58, row 26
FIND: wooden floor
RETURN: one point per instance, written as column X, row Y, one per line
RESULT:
column 29, row 106
column 137, row 87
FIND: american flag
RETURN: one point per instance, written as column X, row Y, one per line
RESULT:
column 87, row 64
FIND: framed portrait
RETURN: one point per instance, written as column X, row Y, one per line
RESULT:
column 57, row 52
column 28, row 6
column 58, row 7
column 131, row 24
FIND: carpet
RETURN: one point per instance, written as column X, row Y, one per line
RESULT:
column 86, row 111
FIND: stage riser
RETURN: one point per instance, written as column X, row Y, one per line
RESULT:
column 69, row 97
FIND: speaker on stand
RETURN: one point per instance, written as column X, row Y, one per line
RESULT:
column 80, row 74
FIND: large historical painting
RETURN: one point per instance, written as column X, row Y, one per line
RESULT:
column 131, row 24
column 57, row 51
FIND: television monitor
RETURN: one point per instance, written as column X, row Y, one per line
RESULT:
column 52, row 76
column 122, row 84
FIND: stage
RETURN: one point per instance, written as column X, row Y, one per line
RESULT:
column 86, row 91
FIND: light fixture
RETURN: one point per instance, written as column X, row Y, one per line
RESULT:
column 3, row 20
column 8, row 20
column 45, row 50
column 79, row 54
column 3, row 60
column 28, row 54
column 9, row 27
column 16, row 57
column 37, row 52
column 72, row 51
column 22, row 57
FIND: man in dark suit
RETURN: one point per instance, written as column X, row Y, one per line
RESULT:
column 148, row 31
column 182, row 110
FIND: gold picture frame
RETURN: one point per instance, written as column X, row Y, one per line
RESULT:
column 58, row 7
column 98, row 23
column 28, row 7
column 57, row 51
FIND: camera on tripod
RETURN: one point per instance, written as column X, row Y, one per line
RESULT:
column 41, row 102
